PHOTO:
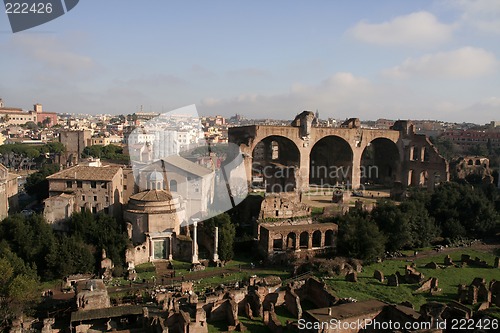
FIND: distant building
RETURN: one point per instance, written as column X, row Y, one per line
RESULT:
column 75, row 142
column 472, row 138
column 80, row 188
column 15, row 116
column 47, row 119
column 384, row 123
column 8, row 191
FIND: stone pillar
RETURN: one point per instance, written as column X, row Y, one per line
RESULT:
column 170, row 248
column 216, row 244
column 310, row 241
column 303, row 182
column 297, row 242
column 194, row 258
column 322, row 242
column 151, row 248
column 356, row 167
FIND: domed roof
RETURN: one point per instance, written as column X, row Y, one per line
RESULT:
column 155, row 176
column 152, row 195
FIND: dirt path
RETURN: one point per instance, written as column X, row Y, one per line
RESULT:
column 479, row 246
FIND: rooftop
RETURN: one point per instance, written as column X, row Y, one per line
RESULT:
column 81, row 172
column 152, row 195
column 180, row 163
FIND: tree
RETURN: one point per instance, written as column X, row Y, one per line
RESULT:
column 359, row 237
column 454, row 204
column 423, row 228
column 18, row 287
column 70, row 255
column 46, row 122
column 445, row 147
column 102, row 232
column 394, row 224
column 31, row 125
column 30, row 238
column 227, row 233
column 37, row 183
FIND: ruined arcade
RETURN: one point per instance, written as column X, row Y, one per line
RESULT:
column 301, row 156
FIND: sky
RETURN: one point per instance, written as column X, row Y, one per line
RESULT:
column 427, row 59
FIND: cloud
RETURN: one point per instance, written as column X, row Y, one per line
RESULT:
column 420, row 29
column 202, row 72
column 480, row 14
column 51, row 52
column 156, row 80
column 480, row 112
column 341, row 95
column 463, row 63
column 248, row 73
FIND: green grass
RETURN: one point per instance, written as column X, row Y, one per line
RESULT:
column 253, row 326
column 449, row 278
column 283, row 315
column 316, row 211
column 233, row 277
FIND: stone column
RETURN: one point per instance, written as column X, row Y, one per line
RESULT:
column 216, row 244
column 305, row 150
column 194, row 258
column 310, row 241
column 151, row 247
column 356, row 167
column 170, row 248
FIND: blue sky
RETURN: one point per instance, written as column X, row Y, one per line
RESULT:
column 368, row 59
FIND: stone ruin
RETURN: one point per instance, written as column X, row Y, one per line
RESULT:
column 338, row 266
column 379, row 275
column 478, row 166
column 106, row 267
column 476, row 262
column 480, row 292
column 180, row 309
column 431, row 286
column 283, row 206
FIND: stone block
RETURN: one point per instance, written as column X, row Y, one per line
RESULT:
column 379, row 275
column 352, row 277
column 392, row 280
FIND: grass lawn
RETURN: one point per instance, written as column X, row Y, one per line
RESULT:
column 449, row 278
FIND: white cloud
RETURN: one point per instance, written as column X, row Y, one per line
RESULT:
column 481, row 14
column 51, row 52
column 463, row 63
column 249, row 72
column 420, row 29
column 341, row 95
column 480, row 112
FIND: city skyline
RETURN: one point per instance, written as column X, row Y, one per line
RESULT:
column 392, row 59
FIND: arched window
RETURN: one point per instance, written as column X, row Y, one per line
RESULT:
column 173, row 186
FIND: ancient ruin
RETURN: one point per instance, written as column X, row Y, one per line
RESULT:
column 301, row 156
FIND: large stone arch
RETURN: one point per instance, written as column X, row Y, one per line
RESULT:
column 381, row 162
column 276, row 164
column 331, row 162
